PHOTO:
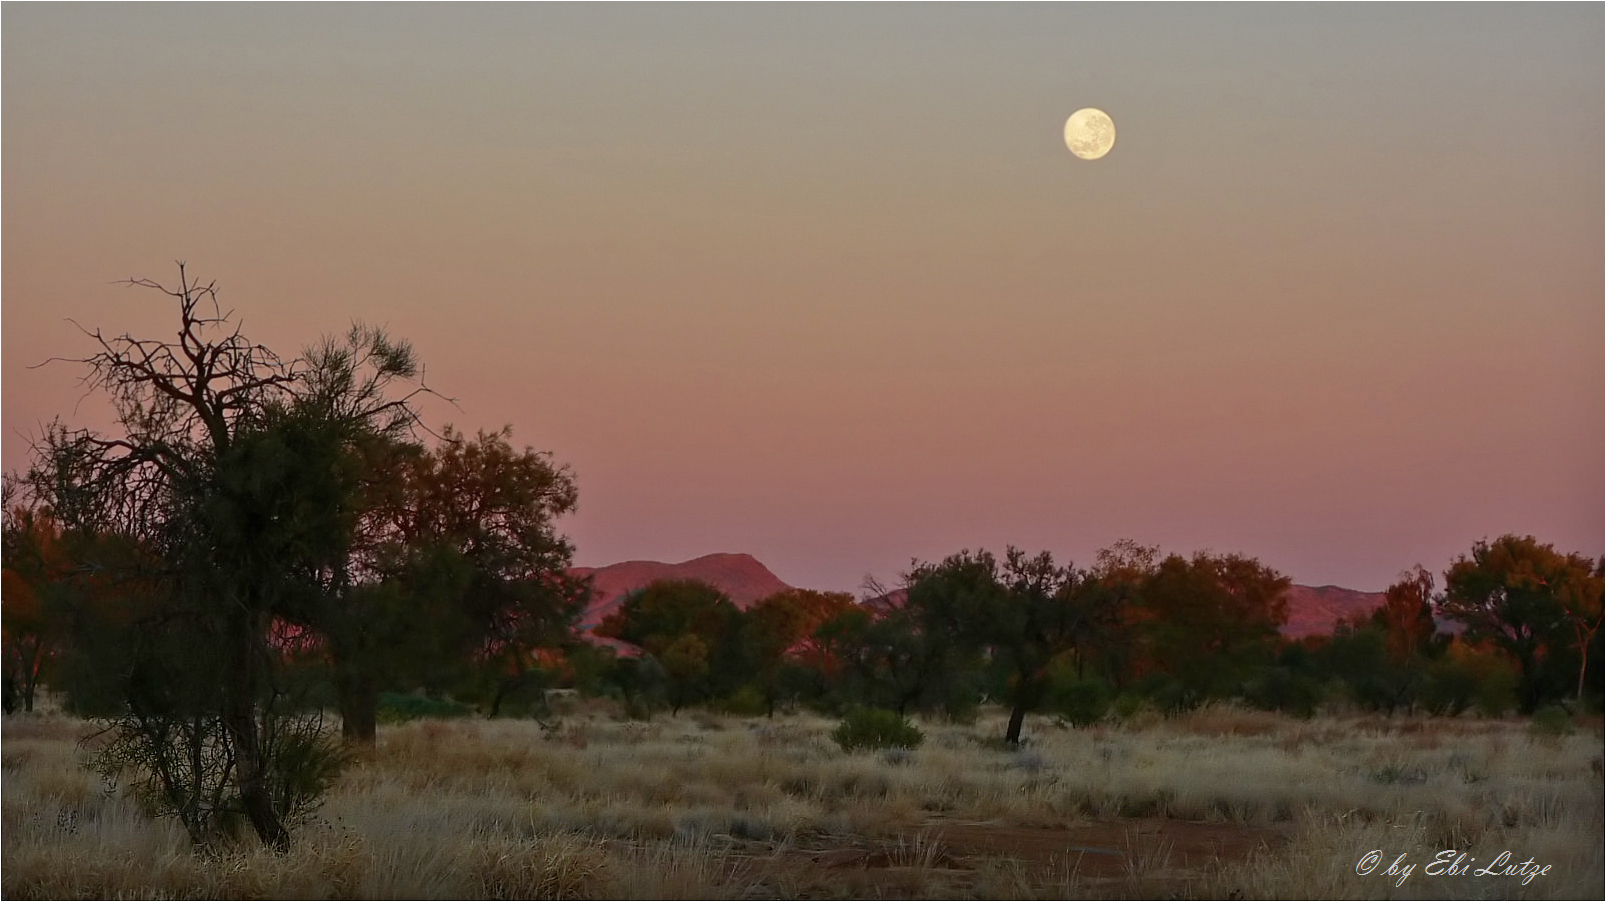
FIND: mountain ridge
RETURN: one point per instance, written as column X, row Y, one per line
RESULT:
column 739, row 576
column 1312, row 610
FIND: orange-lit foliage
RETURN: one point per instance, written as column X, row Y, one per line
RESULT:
column 1203, row 619
column 787, row 621
column 1407, row 615
column 1533, row 602
column 36, row 558
column 460, row 573
column 780, row 629
column 690, row 628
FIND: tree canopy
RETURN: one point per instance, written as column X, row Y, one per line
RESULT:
column 246, row 503
column 1536, row 604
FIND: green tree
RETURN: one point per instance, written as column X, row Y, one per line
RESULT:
column 462, row 537
column 224, row 479
column 1407, row 616
column 778, row 632
column 37, row 573
column 895, row 655
column 1534, row 603
column 1360, row 653
column 1208, row 622
column 691, row 629
column 1025, row 613
column 1114, row 590
column 1463, row 677
column 685, row 661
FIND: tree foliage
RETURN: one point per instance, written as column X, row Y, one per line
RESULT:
column 227, row 485
column 893, row 656
column 1024, row 613
column 36, row 584
column 1540, row 606
column 1204, row 621
column 461, row 537
column 778, row 636
column 691, row 629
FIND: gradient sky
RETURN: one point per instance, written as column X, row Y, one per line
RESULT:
column 823, row 284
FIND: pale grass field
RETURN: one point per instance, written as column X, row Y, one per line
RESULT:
column 705, row 806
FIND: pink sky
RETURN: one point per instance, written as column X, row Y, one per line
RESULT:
column 823, row 285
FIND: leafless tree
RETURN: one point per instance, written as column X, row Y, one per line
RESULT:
column 210, row 476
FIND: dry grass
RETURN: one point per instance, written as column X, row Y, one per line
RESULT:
column 711, row 807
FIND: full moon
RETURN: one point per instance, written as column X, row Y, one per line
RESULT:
column 1090, row 133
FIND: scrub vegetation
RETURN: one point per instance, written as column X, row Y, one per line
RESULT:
column 1218, row 803
column 294, row 643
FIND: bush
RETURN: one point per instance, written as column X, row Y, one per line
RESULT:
column 747, row 701
column 875, row 728
column 1449, row 688
column 1284, row 689
column 1128, row 704
column 1551, row 722
column 185, row 767
column 1173, row 696
column 395, row 707
column 1083, row 702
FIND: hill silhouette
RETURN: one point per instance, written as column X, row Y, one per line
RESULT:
column 1312, row 610
column 740, row 576
column 1315, row 610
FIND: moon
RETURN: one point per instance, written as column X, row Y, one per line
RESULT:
column 1090, row 133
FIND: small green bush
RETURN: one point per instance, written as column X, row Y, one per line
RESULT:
column 1465, row 677
column 1283, row 689
column 1084, row 702
column 1127, row 705
column 875, row 728
column 394, row 707
column 1551, row 722
column 747, row 701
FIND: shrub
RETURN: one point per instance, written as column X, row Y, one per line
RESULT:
column 395, row 707
column 747, row 701
column 875, row 728
column 1284, row 689
column 1551, row 722
column 1083, row 702
column 1173, row 696
column 1449, row 688
column 1468, row 677
column 1128, row 704
column 185, row 767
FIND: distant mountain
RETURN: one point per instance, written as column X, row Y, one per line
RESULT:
column 1312, row 610
column 1316, row 610
column 739, row 576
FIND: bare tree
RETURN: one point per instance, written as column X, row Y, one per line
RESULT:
column 228, row 475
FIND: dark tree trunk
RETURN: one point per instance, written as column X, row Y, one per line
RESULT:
column 1017, row 716
column 1028, row 691
column 1530, row 690
column 30, row 677
column 240, row 719
column 357, row 694
column 506, row 688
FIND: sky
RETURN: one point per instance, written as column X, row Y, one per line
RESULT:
column 823, row 284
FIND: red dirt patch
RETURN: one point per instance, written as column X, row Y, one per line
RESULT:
column 940, row 857
column 1109, row 849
